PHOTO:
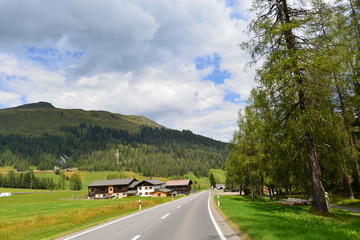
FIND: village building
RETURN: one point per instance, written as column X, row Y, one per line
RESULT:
column 181, row 186
column 111, row 188
column 127, row 187
column 147, row 187
column 161, row 192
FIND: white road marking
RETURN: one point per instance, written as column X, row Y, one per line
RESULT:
column 179, row 206
column 136, row 237
column 221, row 235
column 118, row 220
column 165, row 215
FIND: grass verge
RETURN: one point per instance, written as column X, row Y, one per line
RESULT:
column 44, row 216
column 346, row 202
column 266, row 220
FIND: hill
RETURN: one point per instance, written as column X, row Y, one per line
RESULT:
column 42, row 117
column 44, row 136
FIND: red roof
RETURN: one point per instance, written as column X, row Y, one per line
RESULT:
column 180, row 182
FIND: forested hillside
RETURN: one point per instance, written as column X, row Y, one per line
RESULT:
column 152, row 151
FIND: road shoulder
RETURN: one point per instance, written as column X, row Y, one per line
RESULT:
column 228, row 231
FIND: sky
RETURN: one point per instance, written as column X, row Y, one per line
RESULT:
column 177, row 62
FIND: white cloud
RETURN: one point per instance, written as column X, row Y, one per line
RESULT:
column 129, row 57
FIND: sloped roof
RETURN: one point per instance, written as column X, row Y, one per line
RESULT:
column 152, row 182
column 113, row 182
column 133, row 185
column 179, row 182
column 163, row 190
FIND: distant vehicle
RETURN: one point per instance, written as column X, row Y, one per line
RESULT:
column 5, row 194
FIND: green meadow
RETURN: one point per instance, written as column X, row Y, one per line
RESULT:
column 44, row 214
column 89, row 177
column 266, row 220
column 48, row 215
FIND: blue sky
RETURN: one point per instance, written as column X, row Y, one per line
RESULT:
column 176, row 62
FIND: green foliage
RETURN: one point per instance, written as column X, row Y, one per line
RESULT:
column 61, row 185
column 212, row 180
column 75, row 182
column 26, row 180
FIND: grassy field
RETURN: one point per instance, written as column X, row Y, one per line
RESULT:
column 269, row 221
column 46, row 216
column 89, row 177
column 219, row 175
column 36, row 121
column 346, row 202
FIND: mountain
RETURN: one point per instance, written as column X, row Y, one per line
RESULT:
column 41, row 135
column 42, row 117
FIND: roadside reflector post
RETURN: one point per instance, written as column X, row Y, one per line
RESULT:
column 218, row 201
column 139, row 204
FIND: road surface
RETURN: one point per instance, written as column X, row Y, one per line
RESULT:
column 188, row 218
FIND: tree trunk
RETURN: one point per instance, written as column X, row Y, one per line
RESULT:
column 348, row 187
column 269, row 190
column 251, row 187
column 358, row 172
column 320, row 202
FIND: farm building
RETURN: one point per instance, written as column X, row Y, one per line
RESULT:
column 127, row 187
column 181, row 186
column 111, row 188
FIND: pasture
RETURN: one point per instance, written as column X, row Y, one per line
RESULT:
column 47, row 215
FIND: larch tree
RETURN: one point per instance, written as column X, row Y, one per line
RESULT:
column 288, row 73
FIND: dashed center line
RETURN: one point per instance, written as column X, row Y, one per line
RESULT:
column 165, row 215
column 179, row 206
column 136, row 237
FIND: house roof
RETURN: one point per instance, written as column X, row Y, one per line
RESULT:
column 152, row 182
column 179, row 182
column 133, row 184
column 114, row 182
column 163, row 190
column 131, row 192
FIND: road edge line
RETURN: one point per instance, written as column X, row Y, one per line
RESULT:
column 221, row 235
column 114, row 221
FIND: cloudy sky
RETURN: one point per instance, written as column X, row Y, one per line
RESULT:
column 176, row 62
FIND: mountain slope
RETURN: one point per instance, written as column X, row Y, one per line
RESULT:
column 39, row 118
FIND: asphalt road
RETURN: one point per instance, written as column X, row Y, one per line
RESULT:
column 188, row 218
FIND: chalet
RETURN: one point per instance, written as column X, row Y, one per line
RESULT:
column 128, row 187
column 181, row 186
column 161, row 192
column 111, row 188
column 147, row 187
